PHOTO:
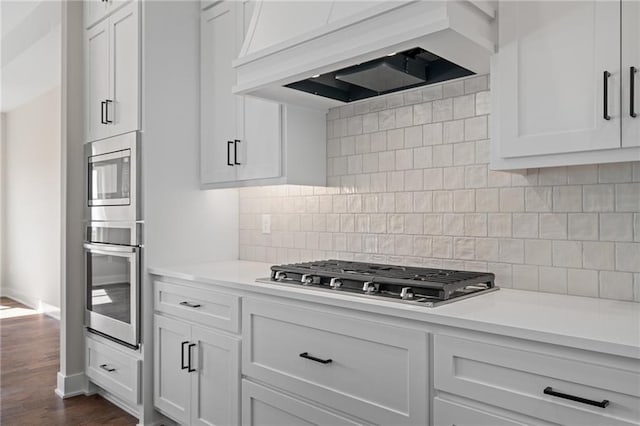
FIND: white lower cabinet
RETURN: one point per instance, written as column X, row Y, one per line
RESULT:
column 560, row 387
column 196, row 373
column 262, row 406
column 373, row 371
column 113, row 368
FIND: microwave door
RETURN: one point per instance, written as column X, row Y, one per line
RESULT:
column 110, row 179
column 112, row 291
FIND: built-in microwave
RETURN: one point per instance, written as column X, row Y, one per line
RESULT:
column 113, row 184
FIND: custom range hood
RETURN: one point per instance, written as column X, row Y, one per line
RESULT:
column 323, row 54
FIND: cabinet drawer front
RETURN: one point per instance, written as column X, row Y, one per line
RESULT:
column 376, row 371
column 516, row 379
column 203, row 306
column 262, row 406
column 114, row 370
column 449, row 413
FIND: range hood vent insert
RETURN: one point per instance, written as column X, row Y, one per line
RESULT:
column 397, row 71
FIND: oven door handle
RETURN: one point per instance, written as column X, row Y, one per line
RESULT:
column 109, row 248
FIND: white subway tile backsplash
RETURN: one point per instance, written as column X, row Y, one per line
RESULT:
column 553, row 280
column 567, row 253
column 616, row 227
column 614, row 173
column 582, row 282
column 464, row 106
column 598, row 255
column 525, row 277
column 567, row 198
column 616, row 285
column 627, row 257
column 598, row 198
column 409, row 182
column 583, row 226
column 553, row 226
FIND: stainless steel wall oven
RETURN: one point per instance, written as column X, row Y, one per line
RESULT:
column 112, row 284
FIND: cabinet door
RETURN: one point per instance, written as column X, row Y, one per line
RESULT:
column 97, row 80
column 265, row 407
column 215, row 385
column 551, row 85
column 123, row 110
column 260, row 150
column 220, row 43
column 171, row 388
column 94, row 10
column 630, row 58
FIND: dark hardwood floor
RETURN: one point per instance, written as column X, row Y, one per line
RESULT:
column 29, row 362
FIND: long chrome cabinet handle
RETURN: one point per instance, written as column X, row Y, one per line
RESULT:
column 632, row 88
column 605, row 109
column 190, row 305
column 602, row 404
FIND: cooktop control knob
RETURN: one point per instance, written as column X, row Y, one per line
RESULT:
column 370, row 287
column 306, row 279
column 280, row 276
column 406, row 293
column 335, row 283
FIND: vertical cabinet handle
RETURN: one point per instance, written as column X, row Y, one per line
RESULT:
column 605, row 109
column 191, row 345
column 229, row 143
column 106, row 111
column 102, row 104
column 632, row 88
column 182, row 366
column 235, row 152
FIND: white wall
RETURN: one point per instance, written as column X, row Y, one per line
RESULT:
column 32, row 202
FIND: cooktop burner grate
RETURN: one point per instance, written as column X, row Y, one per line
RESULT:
column 404, row 283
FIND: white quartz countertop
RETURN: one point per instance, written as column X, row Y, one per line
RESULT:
column 600, row 325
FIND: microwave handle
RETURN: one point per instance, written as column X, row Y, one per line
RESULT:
column 108, row 248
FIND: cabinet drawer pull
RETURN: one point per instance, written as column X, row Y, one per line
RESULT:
column 182, row 366
column 313, row 358
column 605, row 110
column 235, row 152
column 632, row 88
column 229, row 143
column 191, row 345
column 602, row 404
column 106, row 111
column 106, row 367
column 190, row 305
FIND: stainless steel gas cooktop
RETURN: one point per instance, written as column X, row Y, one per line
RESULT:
column 406, row 284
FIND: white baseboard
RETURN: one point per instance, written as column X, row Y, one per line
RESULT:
column 72, row 385
column 37, row 305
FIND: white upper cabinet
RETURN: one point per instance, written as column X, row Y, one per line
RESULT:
column 97, row 10
column 558, row 82
column 630, row 73
column 246, row 140
column 113, row 73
